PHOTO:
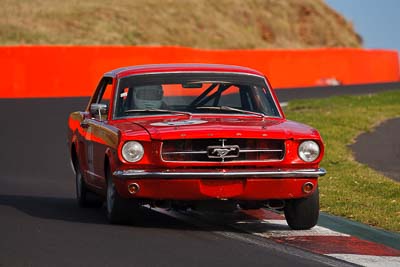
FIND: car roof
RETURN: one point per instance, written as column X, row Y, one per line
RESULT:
column 194, row 67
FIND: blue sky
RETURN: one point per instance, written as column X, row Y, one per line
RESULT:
column 377, row 21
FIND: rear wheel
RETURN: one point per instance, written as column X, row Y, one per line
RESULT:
column 302, row 214
column 81, row 191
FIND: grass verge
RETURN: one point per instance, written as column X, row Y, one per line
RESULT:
column 351, row 189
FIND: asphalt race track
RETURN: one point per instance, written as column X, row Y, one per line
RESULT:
column 41, row 225
column 327, row 91
column 385, row 143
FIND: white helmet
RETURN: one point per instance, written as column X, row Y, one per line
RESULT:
column 148, row 96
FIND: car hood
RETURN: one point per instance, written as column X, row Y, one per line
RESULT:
column 223, row 127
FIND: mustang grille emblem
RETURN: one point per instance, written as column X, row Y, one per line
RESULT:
column 223, row 152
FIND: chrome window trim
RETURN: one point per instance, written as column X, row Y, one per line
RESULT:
column 197, row 115
column 270, row 91
column 114, row 117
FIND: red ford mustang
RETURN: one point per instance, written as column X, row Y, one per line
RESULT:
column 194, row 136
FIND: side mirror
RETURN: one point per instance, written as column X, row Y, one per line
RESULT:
column 97, row 110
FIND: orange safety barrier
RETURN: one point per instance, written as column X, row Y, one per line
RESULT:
column 64, row 71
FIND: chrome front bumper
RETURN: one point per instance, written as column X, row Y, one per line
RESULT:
column 215, row 173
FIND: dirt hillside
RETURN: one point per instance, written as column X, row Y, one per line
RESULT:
column 216, row 24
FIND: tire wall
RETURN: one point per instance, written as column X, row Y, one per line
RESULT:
column 69, row 71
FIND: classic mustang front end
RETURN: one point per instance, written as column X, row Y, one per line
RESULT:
column 237, row 168
column 184, row 134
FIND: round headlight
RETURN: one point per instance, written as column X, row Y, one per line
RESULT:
column 309, row 151
column 132, row 151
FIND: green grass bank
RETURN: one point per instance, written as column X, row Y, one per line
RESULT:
column 222, row 24
column 351, row 189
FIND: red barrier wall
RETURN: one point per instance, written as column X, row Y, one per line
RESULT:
column 58, row 71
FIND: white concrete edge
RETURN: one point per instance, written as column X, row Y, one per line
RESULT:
column 368, row 260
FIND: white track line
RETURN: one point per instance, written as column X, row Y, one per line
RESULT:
column 269, row 244
column 370, row 261
column 284, row 104
column 279, row 228
column 270, row 229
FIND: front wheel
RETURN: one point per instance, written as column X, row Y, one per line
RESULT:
column 302, row 214
column 118, row 208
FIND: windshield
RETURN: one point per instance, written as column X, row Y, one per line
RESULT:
column 194, row 93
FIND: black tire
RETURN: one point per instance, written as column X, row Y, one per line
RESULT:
column 117, row 208
column 81, row 191
column 302, row 214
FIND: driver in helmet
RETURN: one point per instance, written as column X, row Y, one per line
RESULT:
column 148, row 97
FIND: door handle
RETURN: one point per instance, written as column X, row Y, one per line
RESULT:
column 84, row 124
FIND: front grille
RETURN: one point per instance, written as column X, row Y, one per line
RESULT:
column 223, row 150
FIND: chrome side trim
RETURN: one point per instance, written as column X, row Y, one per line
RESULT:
column 215, row 173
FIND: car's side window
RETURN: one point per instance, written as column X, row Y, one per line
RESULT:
column 104, row 95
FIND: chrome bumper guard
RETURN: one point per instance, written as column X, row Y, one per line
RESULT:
column 223, row 174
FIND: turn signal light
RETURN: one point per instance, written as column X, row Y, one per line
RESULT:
column 133, row 188
column 308, row 187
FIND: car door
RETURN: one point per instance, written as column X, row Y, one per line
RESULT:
column 95, row 125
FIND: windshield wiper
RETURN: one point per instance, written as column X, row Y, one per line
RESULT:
column 159, row 110
column 234, row 109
